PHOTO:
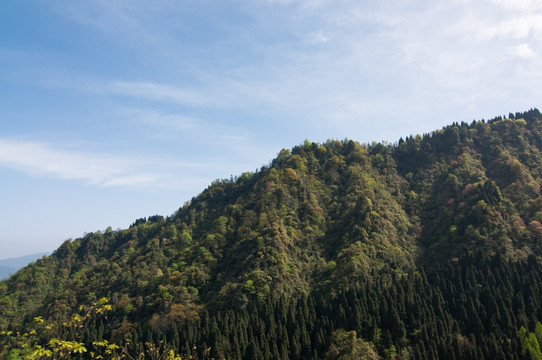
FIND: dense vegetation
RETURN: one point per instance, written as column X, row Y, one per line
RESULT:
column 428, row 248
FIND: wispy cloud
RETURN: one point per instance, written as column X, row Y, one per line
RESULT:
column 519, row 27
column 153, row 91
column 218, row 135
column 317, row 37
column 42, row 159
column 306, row 61
column 99, row 169
column 523, row 5
column 394, row 59
column 523, row 51
column 119, row 19
column 159, row 119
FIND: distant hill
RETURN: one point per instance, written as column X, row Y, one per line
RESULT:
column 427, row 248
column 11, row 265
column 5, row 271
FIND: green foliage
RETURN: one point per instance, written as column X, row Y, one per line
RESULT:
column 378, row 239
column 60, row 340
column 531, row 341
column 64, row 341
column 346, row 345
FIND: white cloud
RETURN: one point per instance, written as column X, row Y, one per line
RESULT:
column 523, row 51
column 132, row 171
column 417, row 51
column 519, row 27
column 523, row 5
column 43, row 159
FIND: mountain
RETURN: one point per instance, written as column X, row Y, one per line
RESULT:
column 5, row 271
column 11, row 265
column 427, row 248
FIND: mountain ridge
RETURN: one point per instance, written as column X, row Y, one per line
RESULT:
column 319, row 219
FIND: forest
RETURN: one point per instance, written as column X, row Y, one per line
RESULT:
column 427, row 248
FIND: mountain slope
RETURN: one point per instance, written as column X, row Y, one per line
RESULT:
column 478, row 186
column 320, row 221
column 5, row 271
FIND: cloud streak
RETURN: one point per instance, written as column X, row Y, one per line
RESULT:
column 320, row 58
column 153, row 91
column 133, row 171
column 305, row 61
column 41, row 159
column 161, row 120
column 97, row 169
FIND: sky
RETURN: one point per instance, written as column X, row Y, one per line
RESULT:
column 113, row 110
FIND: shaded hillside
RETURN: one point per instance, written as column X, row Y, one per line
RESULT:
column 477, row 186
column 319, row 222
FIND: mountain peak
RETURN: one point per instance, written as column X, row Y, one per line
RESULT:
column 321, row 219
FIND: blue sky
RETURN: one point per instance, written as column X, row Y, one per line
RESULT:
column 118, row 109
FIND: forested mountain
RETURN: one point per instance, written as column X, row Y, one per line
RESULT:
column 429, row 248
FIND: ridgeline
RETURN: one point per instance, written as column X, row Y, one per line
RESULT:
column 429, row 248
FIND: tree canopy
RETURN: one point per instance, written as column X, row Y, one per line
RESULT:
column 427, row 248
